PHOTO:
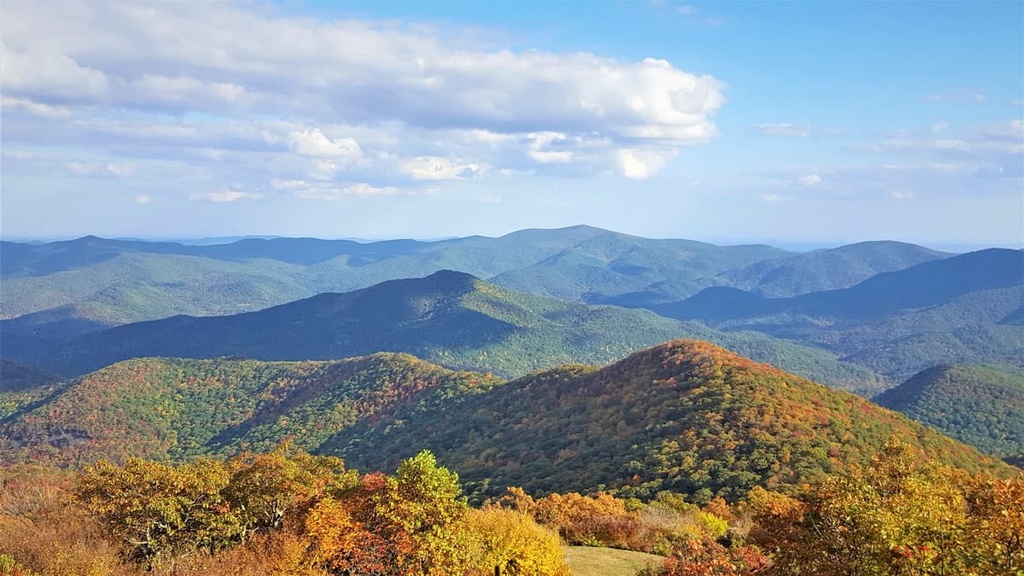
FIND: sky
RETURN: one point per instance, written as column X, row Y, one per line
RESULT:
column 813, row 123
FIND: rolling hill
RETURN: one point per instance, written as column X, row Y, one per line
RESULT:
column 176, row 409
column 449, row 318
column 685, row 416
column 979, row 405
column 829, row 269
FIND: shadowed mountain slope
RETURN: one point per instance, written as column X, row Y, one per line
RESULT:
column 449, row 318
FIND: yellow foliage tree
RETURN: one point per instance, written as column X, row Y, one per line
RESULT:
column 504, row 541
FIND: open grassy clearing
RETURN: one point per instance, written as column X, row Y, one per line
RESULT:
column 590, row 561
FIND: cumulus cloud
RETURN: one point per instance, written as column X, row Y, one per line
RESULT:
column 143, row 199
column 223, row 196
column 640, row 164
column 540, row 148
column 243, row 89
column 315, row 144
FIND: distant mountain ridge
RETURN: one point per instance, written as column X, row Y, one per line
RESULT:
column 449, row 318
column 894, row 308
column 963, row 309
column 63, row 289
column 929, row 284
column 827, row 269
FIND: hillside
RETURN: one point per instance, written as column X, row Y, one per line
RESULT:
column 684, row 416
column 22, row 385
column 174, row 409
column 978, row 405
column 449, row 318
column 828, row 269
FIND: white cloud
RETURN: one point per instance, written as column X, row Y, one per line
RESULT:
column 539, row 144
column 809, row 180
column 143, row 199
column 315, row 144
column 240, row 85
column 783, row 130
column 224, row 196
column 435, row 168
column 328, row 192
column 640, row 164
column 774, row 198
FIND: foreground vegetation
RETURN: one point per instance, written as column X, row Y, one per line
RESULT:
column 290, row 513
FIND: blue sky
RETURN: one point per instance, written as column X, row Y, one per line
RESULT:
column 812, row 123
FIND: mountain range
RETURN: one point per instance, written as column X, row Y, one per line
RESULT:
column 110, row 282
column 966, row 308
column 886, row 310
column 685, row 416
column 450, row 318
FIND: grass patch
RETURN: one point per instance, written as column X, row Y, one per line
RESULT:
column 590, row 561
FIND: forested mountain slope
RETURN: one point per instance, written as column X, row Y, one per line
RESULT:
column 449, row 318
column 684, row 416
column 979, row 405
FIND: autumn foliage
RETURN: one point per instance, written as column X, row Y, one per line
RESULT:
column 291, row 513
column 277, row 513
column 895, row 517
